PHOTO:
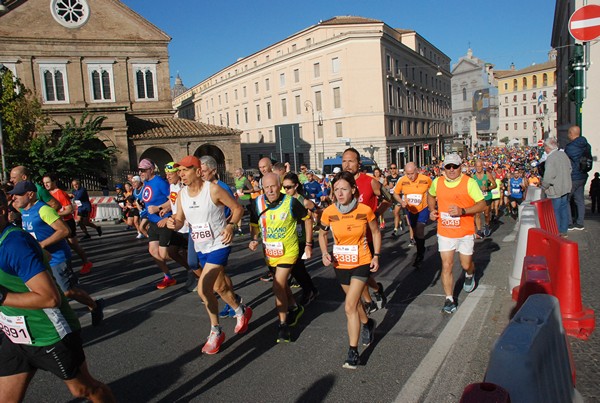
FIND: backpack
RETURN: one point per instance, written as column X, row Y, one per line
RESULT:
column 586, row 161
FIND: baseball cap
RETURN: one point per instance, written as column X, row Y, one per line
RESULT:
column 337, row 170
column 119, row 186
column 22, row 188
column 452, row 159
column 146, row 164
column 188, row 162
column 170, row 167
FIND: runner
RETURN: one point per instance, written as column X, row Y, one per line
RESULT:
column 497, row 193
column 142, row 222
column 243, row 189
column 21, row 173
column 352, row 260
column 273, row 218
column 265, row 166
column 293, row 188
column 458, row 199
column 486, row 182
column 517, row 185
column 45, row 225
column 66, row 213
column 414, row 187
column 49, row 338
column 369, row 191
column 390, row 182
column 202, row 205
column 84, row 208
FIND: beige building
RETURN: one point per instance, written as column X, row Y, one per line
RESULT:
column 344, row 81
column 100, row 56
column 527, row 102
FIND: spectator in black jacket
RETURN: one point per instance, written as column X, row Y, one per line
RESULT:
column 575, row 148
column 595, row 193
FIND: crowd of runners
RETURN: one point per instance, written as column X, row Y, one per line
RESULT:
column 191, row 217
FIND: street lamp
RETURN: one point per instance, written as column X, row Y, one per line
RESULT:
column 309, row 104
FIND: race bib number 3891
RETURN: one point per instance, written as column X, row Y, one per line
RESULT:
column 15, row 328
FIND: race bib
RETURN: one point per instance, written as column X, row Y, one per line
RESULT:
column 273, row 249
column 516, row 191
column 496, row 192
column 449, row 221
column 15, row 328
column 484, row 193
column 201, row 233
column 346, row 253
column 78, row 203
column 414, row 199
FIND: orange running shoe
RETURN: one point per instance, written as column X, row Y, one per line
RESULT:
column 213, row 343
column 166, row 282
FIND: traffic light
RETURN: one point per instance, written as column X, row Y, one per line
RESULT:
column 576, row 68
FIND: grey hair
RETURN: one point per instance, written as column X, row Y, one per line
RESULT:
column 241, row 171
column 551, row 142
column 209, row 161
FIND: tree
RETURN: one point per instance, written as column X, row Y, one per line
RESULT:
column 22, row 117
column 505, row 140
column 74, row 149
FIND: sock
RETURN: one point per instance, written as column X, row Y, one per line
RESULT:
column 450, row 297
column 239, row 311
column 353, row 348
column 216, row 329
column 168, row 276
column 282, row 323
column 468, row 275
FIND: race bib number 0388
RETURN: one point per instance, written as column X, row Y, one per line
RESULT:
column 345, row 254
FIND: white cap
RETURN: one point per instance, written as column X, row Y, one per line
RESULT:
column 337, row 170
column 452, row 159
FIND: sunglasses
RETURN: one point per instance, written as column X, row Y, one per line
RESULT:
column 169, row 166
column 452, row 166
column 393, row 168
column 289, row 187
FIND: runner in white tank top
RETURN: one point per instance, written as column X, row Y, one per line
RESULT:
column 202, row 203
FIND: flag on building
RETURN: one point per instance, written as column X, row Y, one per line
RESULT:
column 541, row 99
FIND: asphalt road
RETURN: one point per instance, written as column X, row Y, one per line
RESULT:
column 148, row 348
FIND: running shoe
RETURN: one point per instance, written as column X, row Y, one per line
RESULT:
column 367, row 332
column 239, row 232
column 395, row 233
column 370, row 307
column 166, row 282
column 226, row 311
column 418, row 261
column 140, row 236
column 469, row 284
column 352, row 360
column 382, row 225
column 213, row 343
column 293, row 283
column 99, row 231
column 478, row 235
column 487, row 231
column 239, row 300
column 412, row 242
column 308, row 297
column 267, row 277
column 86, row 236
column 283, row 333
column 243, row 320
column 294, row 316
column 98, row 312
column 380, row 298
column 86, row 268
column 578, row 227
column 449, row 307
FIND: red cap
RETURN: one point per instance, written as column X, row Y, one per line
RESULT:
column 188, row 162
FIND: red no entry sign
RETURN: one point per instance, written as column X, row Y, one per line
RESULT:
column 540, row 143
column 425, row 147
column 584, row 24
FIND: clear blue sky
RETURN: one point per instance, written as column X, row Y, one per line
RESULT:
column 208, row 35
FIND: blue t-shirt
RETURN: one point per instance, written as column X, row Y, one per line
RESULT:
column 227, row 210
column 156, row 191
column 312, row 187
column 37, row 221
column 82, row 196
column 516, row 190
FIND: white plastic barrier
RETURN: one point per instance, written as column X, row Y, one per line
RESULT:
column 108, row 212
column 528, row 219
column 531, row 357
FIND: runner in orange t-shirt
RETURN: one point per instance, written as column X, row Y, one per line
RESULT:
column 352, row 260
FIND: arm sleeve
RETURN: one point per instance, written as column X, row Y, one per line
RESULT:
column 298, row 210
column 22, row 256
column 433, row 187
column 48, row 215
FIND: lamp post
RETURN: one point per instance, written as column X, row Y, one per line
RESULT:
column 320, row 124
column 309, row 104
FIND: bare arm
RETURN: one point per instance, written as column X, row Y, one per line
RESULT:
column 42, row 294
column 175, row 222
column 376, row 244
column 61, row 231
column 326, row 257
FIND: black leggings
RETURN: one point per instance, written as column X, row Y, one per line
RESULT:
column 300, row 273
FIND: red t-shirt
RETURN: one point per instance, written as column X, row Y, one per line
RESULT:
column 63, row 198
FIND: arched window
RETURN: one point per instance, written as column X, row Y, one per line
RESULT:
column 534, row 82
column 515, row 84
column 524, row 83
column 545, row 80
column 464, row 94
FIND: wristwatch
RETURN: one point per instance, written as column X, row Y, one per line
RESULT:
column 463, row 212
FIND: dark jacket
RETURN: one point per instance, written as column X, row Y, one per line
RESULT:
column 575, row 150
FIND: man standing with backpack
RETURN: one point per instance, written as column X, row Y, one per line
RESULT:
column 577, row 148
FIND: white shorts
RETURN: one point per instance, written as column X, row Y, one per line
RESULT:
column 463, row 245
